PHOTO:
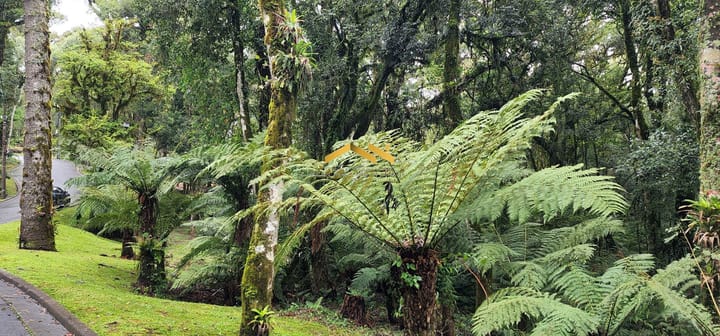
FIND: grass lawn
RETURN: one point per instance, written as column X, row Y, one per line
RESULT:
column 87, row 278
column 11, row 188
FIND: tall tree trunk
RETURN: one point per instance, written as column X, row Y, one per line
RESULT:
column 257, row 282
column 36, row 229
column 242, row 117
column 420, row 266
column 3, row 152
column 686, row 87
column 451, row 71
column 4, row 139
column 369, row 113
column 394, row 109
column 262, row 67
column 3, row 38
column 709, row 97
column 640, row 124
column 342, row 123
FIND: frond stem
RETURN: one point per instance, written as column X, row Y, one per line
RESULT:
column 702, row 274
column 397, row 240
column 407, row 205
column 432, row 202
column 357, row 226
column 457, row 193
column 477, row 279
column 446, row 232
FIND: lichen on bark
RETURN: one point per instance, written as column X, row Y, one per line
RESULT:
column 258, row 274
column 36, row 229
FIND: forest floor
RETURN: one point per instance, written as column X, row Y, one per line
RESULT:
column 88, row 278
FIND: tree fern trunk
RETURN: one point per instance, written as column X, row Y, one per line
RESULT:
column 36, row 229
column 151, row 275
column 353, row 308
column 418, row 276
column 127, row 250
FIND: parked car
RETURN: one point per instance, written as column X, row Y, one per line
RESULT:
column 60, row 197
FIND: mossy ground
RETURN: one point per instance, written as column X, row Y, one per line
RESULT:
column 88, row 278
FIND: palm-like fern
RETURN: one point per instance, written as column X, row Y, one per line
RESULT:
column 429, row 185
column 108, row 209
column 411, row 205
column 604, row 305
column 139, row 171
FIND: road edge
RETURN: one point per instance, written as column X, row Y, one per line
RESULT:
column 62, row 315
column 17, row 193
column 17, row 186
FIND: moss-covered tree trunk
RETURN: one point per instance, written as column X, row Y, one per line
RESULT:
column 257, row 281
column 709, row 96
column 451, row 71
column 36, row 229
column 4, row 29
column 3, row 154
column 640, row 123
column 418, row 277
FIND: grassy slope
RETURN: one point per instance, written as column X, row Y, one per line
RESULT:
column 11, row 188
column 10, row 185
column 97, row 290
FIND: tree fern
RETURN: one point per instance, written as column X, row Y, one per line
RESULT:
column 610, row 302
column 108, row 209
column 428, row 185
column 507, row 307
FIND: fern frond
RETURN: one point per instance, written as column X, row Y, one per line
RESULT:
column 366, row 278
column 487, row 255
column 506, row 307
column 553, row 192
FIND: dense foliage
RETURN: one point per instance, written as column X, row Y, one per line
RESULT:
column 531, row 156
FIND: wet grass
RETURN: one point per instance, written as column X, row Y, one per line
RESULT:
column 89, row 280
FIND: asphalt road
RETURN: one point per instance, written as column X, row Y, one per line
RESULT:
column 20, row 315
column 61, row 171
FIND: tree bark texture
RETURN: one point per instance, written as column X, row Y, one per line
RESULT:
column 262, row 67
column 451, row 73
column 3, row 154
column 3, row 38
column 242, row 117
column 418, row 276
column 640, row 124
column 258, row 275
column 709, row 96
column 353, row 308
column 36, row 229
column 127, row 251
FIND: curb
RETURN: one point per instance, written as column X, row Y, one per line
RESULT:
column 62, row 315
